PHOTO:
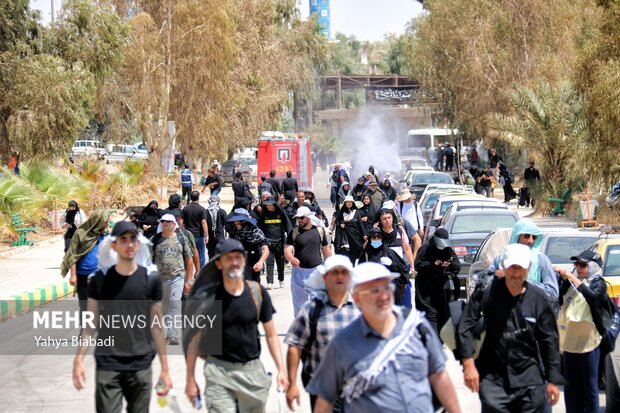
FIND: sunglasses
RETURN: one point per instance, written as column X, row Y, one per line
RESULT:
column 375, row 291
column 581, row 264
column 376, row 237
column 527, row 236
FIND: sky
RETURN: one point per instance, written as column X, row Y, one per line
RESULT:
column 369, row 19
column 364, row 19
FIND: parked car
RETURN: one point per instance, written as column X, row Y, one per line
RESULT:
column 253, row 164
column 119, row 153
column 469, row 227
column 228, row 167
column 414, row 162
column 141, row 148
column 559, row 244
column 430, row 199
column 420, row 180
column 609, row 250
column 445, row 201
column 88, row 148
column 406, row 179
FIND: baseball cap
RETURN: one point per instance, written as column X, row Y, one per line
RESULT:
column 168, row 217
column 122, row 227
column 517, row 254
column 585, row 256
column 226, row 245
column 303, row 211
column 370, row 271
column 316, row 282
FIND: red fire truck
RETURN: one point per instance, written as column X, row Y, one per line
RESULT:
column 281, row 153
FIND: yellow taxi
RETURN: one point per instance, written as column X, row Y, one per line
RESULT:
column 609, row 250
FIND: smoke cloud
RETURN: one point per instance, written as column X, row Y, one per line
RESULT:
column 371, row 140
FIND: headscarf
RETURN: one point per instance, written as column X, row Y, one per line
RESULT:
column 107, row 257
column 69, row 214
column 525, row 226
column 148, row 211
column 85, row 239
column 249, row 232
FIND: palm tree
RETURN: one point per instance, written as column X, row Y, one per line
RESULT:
column 549, row 122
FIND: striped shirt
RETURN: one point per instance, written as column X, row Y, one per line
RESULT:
column 330, row 321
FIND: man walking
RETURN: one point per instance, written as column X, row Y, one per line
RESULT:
column 531, row 177
column 318, row 321
column 274, row 223
column 521, row 334
column 304, row 246
column 235, row 379
column 172, row 255
column 195, row 217
column 213, row 182
column 275, row 185
column 382, row 361
column 289, row 186
column 124, row 369
column 410, row 210
column 377, row 196
column 216, row 222
column 541, row 271
column 187, row 183
column 241, row 190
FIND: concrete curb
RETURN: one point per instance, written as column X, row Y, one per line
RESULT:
column 23, row 248
column 24, row 302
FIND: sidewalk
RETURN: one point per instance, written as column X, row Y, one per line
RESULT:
column 31, row 275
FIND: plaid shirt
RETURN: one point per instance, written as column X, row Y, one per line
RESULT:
column 330, row 321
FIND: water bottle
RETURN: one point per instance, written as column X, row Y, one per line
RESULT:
column 162, row 397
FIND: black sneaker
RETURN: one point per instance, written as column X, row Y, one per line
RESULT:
column 172, row 341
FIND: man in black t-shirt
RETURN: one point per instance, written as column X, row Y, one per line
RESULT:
column 195, row 217
column 289, row 186
column 275, row 185
column 304, row 246
column 127, row 289
column 274, row 223
column 484, row 180
column 236, row 379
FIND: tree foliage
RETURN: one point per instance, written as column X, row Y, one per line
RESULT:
column 548, row 121
column 470, row 54
column 230, row 65
column 48, row 76
column 598, row 77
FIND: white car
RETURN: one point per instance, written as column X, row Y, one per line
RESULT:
column 119, row 153
column 88, row 148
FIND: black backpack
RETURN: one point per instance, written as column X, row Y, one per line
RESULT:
column 336, row 175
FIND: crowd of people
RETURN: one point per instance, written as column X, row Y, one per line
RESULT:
column 369, row 301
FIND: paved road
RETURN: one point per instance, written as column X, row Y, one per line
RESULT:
column 42, row 383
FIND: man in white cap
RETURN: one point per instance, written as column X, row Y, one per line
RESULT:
column 173, row 257
column 304, row 246
column 383, row 361
column 521, row 334
column 318, row 321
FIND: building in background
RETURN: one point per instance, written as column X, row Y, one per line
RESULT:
column 321, row 8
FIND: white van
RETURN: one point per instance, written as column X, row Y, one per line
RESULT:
column 88, row 148
column 118, row 153
column 428, row 138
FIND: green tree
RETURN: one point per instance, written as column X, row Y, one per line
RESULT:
column 48, row 104
column 549, row 122
column 598, row 77
column 470, row 54
column 18, row 24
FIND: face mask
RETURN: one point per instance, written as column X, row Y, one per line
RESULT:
column 440, row 247
column 376, row 243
